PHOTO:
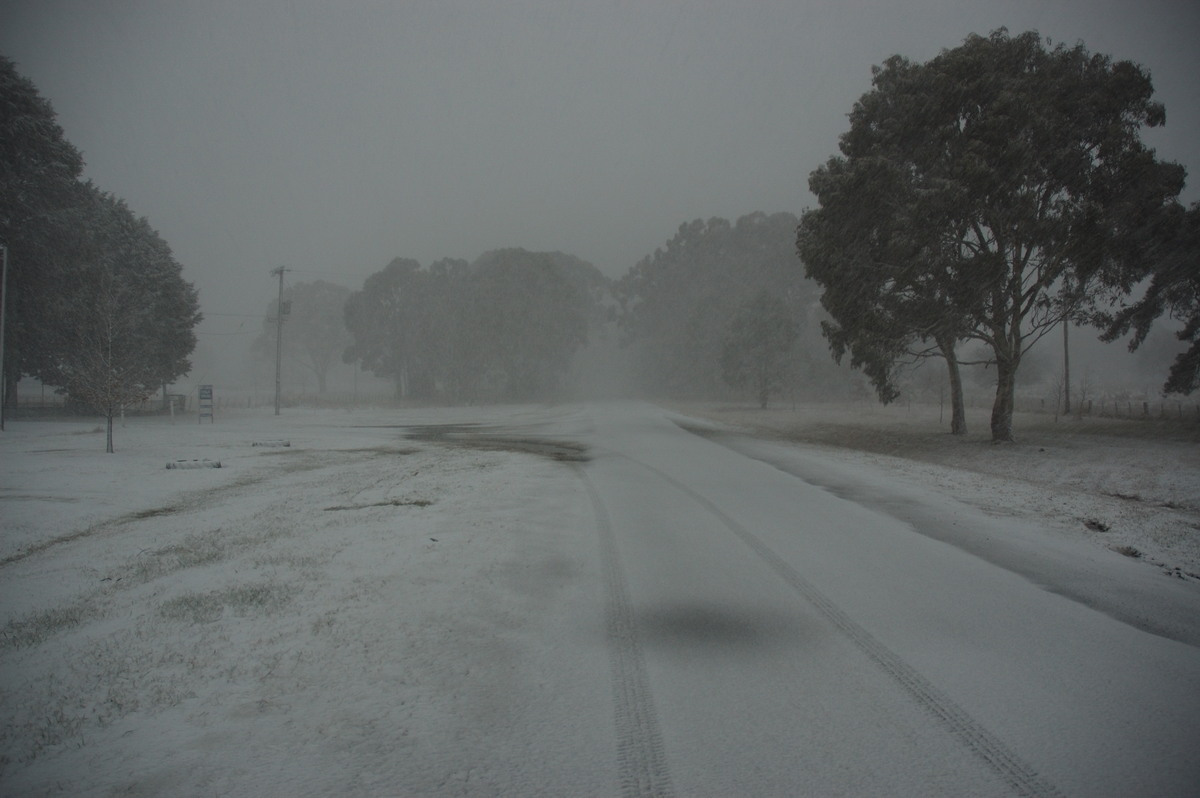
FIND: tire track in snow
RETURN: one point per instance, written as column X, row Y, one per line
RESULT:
column 641, row 757
column 1019, row 775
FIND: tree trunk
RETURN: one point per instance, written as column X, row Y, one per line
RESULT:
column 10, row 389
column 1002, row 409
column 402, row 381
column 764, row 386
column 958, row 409
column 1066, row 371
column 108, row 449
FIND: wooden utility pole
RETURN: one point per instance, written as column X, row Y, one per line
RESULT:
column 279, row 334
column 3, row 307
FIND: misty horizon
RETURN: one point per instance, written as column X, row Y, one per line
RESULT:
column 333, row 142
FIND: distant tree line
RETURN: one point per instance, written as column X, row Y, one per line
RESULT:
column 503, row 328
column 717, row 312
column 95, row 303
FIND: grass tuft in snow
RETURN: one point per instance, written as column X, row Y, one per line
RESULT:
column 155, row 512
column 192, row 552
column 241, row 600
column 42, row 626
column 90, row 684
column 93, row 431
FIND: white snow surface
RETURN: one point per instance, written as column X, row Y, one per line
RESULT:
column 362, row 612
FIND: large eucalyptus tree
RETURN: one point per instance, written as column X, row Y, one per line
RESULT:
column 1000, row 187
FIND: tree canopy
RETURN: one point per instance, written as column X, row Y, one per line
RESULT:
column 890, row 293
column 122, row 325
column 757, row 345
column 1173, row 269
column 502, row 328
column 985, row 195
column 678, row 303
column 39, row 188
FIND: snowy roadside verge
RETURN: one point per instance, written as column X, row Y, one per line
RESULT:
column 1131, row 487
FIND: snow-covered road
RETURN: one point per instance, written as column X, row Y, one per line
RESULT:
column 558, row 601
column 797, row 643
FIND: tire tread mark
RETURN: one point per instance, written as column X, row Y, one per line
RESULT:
column 1022, row 778
column 641, row 756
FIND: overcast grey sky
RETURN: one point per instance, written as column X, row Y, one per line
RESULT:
column 332, row 137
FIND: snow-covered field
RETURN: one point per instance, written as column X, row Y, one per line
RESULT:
column 347, row 613
column 293, row 622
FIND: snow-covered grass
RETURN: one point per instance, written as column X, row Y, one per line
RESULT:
column 1128, row 485
column 289, row 623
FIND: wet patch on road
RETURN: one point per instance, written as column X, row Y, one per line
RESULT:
column 388, row 503
column 493, row 439
column 694, row 625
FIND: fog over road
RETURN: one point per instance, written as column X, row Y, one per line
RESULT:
column 769, row 638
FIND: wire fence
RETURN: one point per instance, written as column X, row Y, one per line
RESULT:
column 46, row 403
column 1185, row 409
column 38, row 404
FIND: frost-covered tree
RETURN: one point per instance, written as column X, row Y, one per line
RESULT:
column 1021, row 173
column 39, row 187
column 122, row 325
column 98, row 304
